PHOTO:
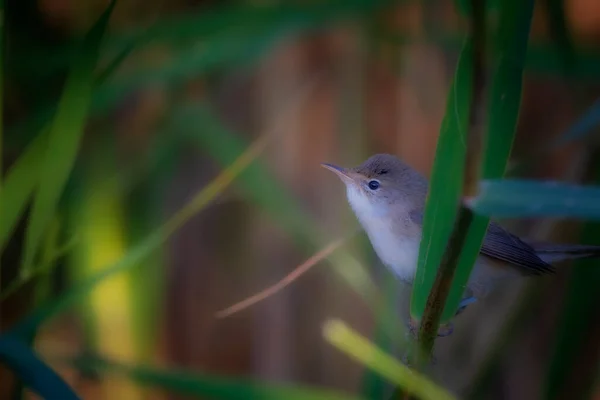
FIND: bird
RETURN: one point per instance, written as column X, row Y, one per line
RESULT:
column 388, row 198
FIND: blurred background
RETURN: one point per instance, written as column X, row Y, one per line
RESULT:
column 188, row 85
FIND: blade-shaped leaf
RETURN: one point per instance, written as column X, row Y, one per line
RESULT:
column 583, row 126
column 574, row 364
column 559, row 30
column 63, row 138
column 224, row 42
column 262, row 187
column 32, row 371
column 19, row 185
column 138, row 253
column 445, row 184
column 515, row 198
column 208, row 386
column 359, row 348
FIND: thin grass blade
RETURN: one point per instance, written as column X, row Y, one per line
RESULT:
column 338, row 334
column 20, row 183
column 560, row 32
column 64, row 137
column 207, row 386
column 585, row 125
column 574, row 363
column 145, row 248
column 32, row 371
column 219, row 41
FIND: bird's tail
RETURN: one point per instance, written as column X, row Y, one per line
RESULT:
column 551, row 252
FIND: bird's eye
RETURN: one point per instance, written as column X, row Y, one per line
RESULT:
column 373, row 185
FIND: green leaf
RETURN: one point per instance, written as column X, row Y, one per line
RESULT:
column 503, row 109
column 32, row 371
column 559, row 30
column 225, row 42
column 64, row 137
column 515, row 198
column 577, row 341
column 257, row 183
column 21, row 181
column 208, row 386
column 138, row 253
column 262, row 188
column 359, row 348
column 445, row 185
column 373, row 385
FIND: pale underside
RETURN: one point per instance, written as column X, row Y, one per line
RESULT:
column 396, row 241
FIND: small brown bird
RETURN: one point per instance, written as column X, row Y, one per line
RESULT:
column 388, row 198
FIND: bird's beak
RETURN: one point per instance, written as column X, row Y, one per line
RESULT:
column 345, row 174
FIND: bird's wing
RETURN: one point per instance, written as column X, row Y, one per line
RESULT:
column 503, row 245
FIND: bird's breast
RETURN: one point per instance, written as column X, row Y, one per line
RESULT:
column 398, row 250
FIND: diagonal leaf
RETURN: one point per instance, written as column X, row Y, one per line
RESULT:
column 138, row 253
column 32, row 371
column 213, row 40
column 19, row 185
column 373, row 385
column 559, row 30
column 262, row 188
column 583, row 126
column 64, row 137
column 208, row 386
column 498, row 198
column 359, row 348
column 224, row 146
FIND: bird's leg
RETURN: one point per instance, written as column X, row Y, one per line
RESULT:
column 443, row 331
column 464, row 303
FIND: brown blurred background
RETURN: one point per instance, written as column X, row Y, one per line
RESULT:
column 361, row 98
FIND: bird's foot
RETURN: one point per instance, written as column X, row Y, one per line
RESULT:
column 443, row 330
column 464, row 303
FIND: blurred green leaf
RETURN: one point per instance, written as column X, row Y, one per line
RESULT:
column 263, row 188
column 208, row 386
column 63, row 140
column 256, row 182
column 515, row 198
column 464, row 6
column 360, row 349
column 574, row 364
column 32, row 371
column 374, row 386
column 225, row 37
column 21, row 180
column 504, row 101
column 559, row 30
column 146, row 247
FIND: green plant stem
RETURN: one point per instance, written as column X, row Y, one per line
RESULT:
column 443, row 281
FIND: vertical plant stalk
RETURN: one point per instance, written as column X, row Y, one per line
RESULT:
column 475, row 134
column 573, row 367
